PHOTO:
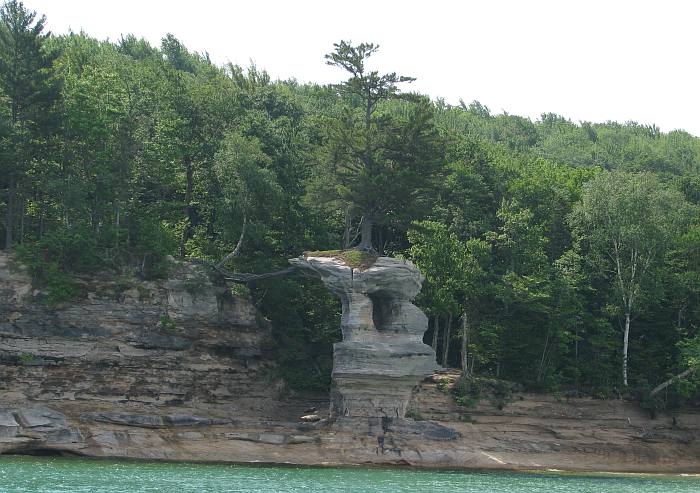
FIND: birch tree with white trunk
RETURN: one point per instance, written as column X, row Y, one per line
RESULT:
column 627, row 221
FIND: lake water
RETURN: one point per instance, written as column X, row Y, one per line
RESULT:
column 69, row 475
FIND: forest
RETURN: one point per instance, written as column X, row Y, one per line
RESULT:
column 562, row 256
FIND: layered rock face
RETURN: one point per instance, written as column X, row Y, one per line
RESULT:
column 184, row 341
column 382, row 356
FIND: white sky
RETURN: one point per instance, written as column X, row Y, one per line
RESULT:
column 587, row 60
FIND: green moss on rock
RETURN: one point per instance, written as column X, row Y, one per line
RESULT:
column 357, row 259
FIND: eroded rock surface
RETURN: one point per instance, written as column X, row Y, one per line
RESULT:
column 185, row 341
column 382, row 356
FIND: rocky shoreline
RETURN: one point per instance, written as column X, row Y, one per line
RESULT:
column 174, row 370
column 535, row 433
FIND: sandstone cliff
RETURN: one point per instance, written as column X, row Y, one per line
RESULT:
column 175, row 370
column 179, row 342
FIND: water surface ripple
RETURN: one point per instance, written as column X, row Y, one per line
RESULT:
column 68, row 475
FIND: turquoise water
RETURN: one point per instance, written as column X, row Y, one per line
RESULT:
column 68, row 475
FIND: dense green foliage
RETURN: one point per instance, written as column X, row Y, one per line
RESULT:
column 115, row 155
column 381, row 161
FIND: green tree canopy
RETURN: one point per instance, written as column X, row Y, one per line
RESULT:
column 628, row 221
column 382, row 156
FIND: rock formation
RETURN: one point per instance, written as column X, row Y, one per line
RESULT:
column 382, row 356
column 185, row 340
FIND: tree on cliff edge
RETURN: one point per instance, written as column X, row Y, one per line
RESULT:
column 383, row 155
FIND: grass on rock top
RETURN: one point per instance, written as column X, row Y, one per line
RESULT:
column 356, row 259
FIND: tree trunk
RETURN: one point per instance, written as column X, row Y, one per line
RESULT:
column 366, row 232
column 668, row 382
column 346, row 229
column 543, row 359
column 117, row 225
column 446, row 341
column 189, row 173
column 681, row 309
column 380, row 241
column 21, row 222
column 9, row 215
column 625, row 346
column 465, row 344
column 236, row 251
column 436, row 330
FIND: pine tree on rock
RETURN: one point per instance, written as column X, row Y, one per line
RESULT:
column 384, row 155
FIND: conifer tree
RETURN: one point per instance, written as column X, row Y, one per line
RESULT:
column 26, row 82
column 383, row 161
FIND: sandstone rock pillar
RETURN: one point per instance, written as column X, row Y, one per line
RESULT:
column 382, row 355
